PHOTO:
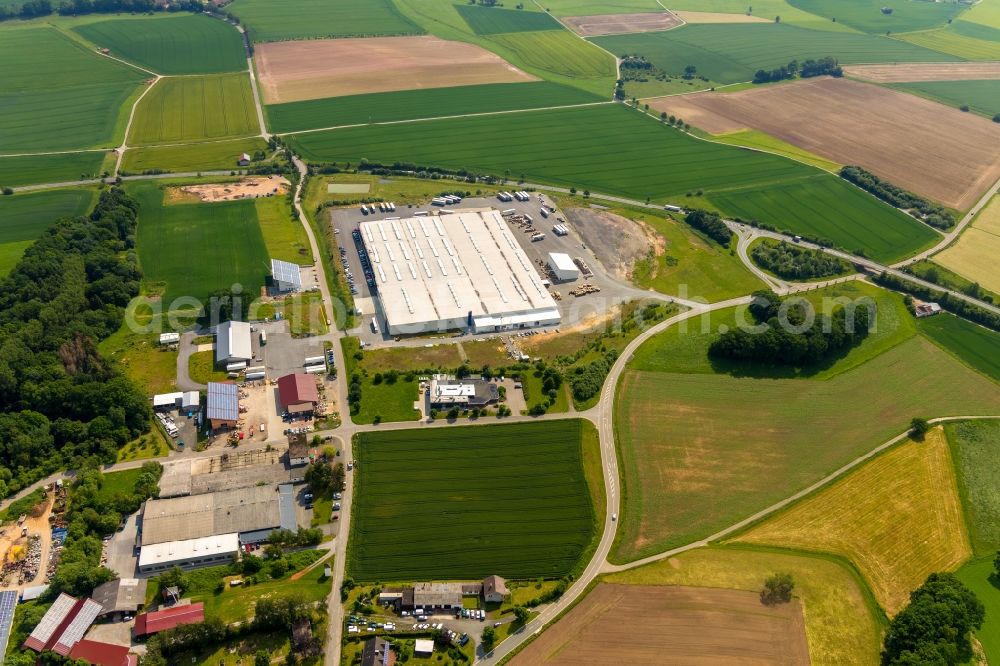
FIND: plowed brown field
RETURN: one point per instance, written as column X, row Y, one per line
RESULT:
column 621, row 24
column 928, row 148
column 318, row 68
column 933, row 71
column 651, row 624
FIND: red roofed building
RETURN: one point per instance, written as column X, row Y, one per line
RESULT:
column 63, row 625
column 102, row 654
column 297, row 393
column 157, row 621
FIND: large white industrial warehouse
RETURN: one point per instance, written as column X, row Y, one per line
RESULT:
column 459, row 271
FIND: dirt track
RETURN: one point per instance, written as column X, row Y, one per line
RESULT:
column 936, row 71
column 651, row 624
column 926, row 147
column 621, row 24
column 317, row 68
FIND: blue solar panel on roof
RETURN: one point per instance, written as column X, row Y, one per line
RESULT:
column 8, row 600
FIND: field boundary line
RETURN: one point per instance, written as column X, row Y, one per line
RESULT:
column 59, row 152
column 463, row 115
column 194, row 143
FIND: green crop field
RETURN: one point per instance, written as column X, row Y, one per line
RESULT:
column 60, row 168
column 268, row 21
column 559, row 52
column 177, row 44
column 765, row 9
column 605, row 148
column 195, row 249
column 195, row 108
column 595, row 7
column 974, row 447
column 191, row 157
column 980, row 96
column 494, row 20
column 964, row 39
column 867, row 16
column 828, row 207
column 464, row 503
column 743, row 440
column 978, row 576
column 977, row 346
column 730, row 53
column 23, row 218
column 57, row 95
column 426, row 103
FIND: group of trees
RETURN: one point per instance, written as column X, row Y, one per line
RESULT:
column 35, row 8
column 324, row 477
column 950, row 303
column 61, row 403
column 809, row 68
column 792, row 333
column 709, row 224
column 796, row 263
column 586, row 380
column 300, row 538
column 777, row 589
column 931, row 213
column 934, row 628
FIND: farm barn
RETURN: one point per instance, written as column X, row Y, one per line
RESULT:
column 232, row 343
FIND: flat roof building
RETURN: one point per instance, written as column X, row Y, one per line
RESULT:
column 223, row 404
column 459, row 271
column 448, row 392
column 562, row 267
column 204, row 551
column 286, row 276
column 232, row 342
column 423, row 646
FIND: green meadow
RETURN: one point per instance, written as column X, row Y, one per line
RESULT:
column 982, row 97
column 268, row 21
column 867, row 16
column 964, row 39
column 495, row 20
column 23, row 218
column 214, row 155
column 58, row 168
column 975, row 345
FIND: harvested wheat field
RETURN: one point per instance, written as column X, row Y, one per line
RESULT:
column 652, row 624
column 931, row 71
column 975, row 254
column 318, row 68
column 621, row 24
column 719, row 17
column 928, row 148
column 898, row 519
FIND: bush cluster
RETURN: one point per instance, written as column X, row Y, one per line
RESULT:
column 797, row 263
column 807, row 69
column 709, row 224
column 931, row 213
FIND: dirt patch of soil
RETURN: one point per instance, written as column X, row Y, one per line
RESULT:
column 719, row 17
column 935, row 71
column 317, row 68
column 247, row 188
column 621, row 24
column 925, row 147
column 616, row 241
column 651, row 624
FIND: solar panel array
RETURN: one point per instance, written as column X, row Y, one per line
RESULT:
column 285, row 271
column 8, row 600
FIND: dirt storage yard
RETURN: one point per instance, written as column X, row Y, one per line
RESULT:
column 616, row 241
column 318, row 68
column 247, row 188
column 933, row 71
column 651, row 624
column 931, row 149
column 621, row 24
column 718, row 17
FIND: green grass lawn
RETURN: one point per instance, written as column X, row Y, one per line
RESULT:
column 866, row 15
column 284, row 236
column 979, row 577
column 308, row 19
column 57, row 95
column 213, row 156
column 151, row 367
column 146, row 447
column 496, row 20
column 201, row 368
column 117, row 483
column 982, row 97
column 862, row 224
column 195, row 108
column 731, row 53
column 532, row 382
column 702, row 449
column 461, row 503
column 236, row 603
column 26, row 216
column 977, row 464
column 595, row 7
column 196, row 249
column 62, row 168
column 761, row 141
column 975, row 345
column 426, row 103
column 962, row 39
column 175, row 44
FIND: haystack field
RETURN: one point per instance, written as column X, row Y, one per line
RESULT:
column 621, row 24
column 653, row 624
column 314, row 69
column 928, row 148
column 719, row 17
column 931, row 71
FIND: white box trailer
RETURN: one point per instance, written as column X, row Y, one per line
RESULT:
column 253, row 376
column 238, row 365
column 313, row 360
column 315, row 369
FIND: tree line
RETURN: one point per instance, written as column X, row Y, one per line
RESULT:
column 61, row 403
column 808, row 69
column 35, row 8
column 950, row 303
column 709, row 224
column 796, row 263
column 789, row 337
column 931, row 213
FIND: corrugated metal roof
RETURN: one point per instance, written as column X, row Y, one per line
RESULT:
column 223, row 401
column 222, row 512
column 297, row 388
column 286, row 507
column 100, row 654
column 157, row 621
column 121, row 594
column 78, row 626
column 285, row 271
column 44, row 632
column 232, row 341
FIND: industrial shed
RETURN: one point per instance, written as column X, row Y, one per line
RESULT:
column 122, row 595
column 286, row 276
column 562, row 266
column 205, row 551
column 232, row 343
column 223, row 404
column 459, row 271
column 64, row 624
column 298, row 393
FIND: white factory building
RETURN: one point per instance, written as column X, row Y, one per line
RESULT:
column 464, row 270
column 563, row 268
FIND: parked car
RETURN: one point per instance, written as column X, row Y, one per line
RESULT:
column 336, row 506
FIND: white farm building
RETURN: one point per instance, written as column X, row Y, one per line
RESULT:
column 459, row 271
column 232, row 343
column 563, row 268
